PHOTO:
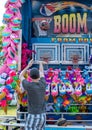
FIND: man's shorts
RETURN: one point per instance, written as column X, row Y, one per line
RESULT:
column 36, row 122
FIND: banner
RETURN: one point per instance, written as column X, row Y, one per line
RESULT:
column 62, row 18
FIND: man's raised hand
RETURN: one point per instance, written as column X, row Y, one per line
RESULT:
column 30, row 63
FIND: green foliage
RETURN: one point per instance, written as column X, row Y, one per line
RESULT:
column 1, row 30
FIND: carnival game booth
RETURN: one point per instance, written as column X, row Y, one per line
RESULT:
column 58, row 32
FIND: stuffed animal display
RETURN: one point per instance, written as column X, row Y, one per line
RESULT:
column 11, row 35
column 71, row 86
column 9, row 81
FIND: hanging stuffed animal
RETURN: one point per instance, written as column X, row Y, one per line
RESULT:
column 78, row 90
column 88, row 89
column 56, row 76
column 69, row 88
column 62, row 89
column 58, row 104
column 54, row 89
column 49, row 75
column 47, row 92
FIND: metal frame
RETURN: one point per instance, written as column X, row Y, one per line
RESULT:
column 67, row 49
column 53, row 49
column 20, row 51
column 90, row 49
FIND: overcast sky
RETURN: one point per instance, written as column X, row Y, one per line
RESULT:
column 2, row 10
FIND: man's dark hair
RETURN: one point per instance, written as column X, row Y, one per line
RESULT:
column 34, row 73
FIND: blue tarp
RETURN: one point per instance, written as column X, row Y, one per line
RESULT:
column 26, row 21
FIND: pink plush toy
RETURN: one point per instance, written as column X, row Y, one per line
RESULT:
column 80, row 80
column 16, row 19
column 14, row 27
column 12, row 7
column 12, row 64
column 8, row 14
column 12, row 73
column 7, row 32
column 55, row 76
column 11, row 54
column 15, row 37
column 4, row 68
column 5, row 41
column 14, row 47
column 3, row 53
column 26, row 53
column 13, row 2
column 17, row 2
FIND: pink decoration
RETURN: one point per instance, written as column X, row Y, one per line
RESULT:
column 14, row 27
column 15, row 37
column 6, row 41
column 8, row 14
column 7, row 32
column 26, row 53
column 14, row 47
column 12, row 54
column 9, row 80
column 6, row 91
column 3, row 103
column 5, row 69
column 12, row 73
column 16, row 3
column 12, row 64
column 55, row 76
column 9, row 96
